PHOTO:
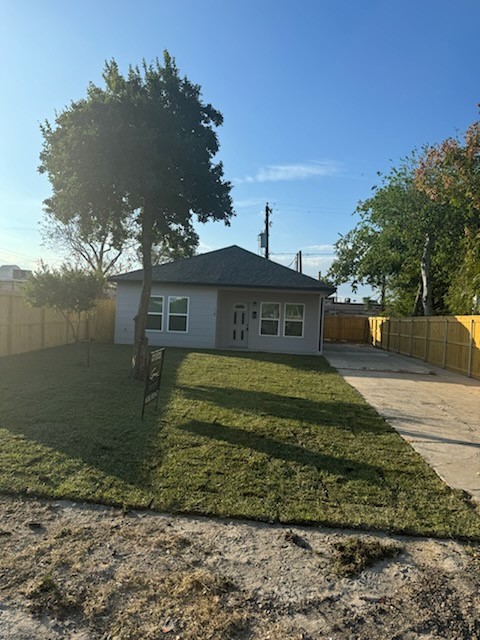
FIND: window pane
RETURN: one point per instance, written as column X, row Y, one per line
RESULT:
column 270, row 310
column 293, row 328
column 294, row 311
column 178, row 305
column 269, row 328
column 177, row 323
column 155, row 305
column 154, row 322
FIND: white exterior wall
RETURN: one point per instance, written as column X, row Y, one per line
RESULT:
column 309, row 343
column 202, row 306
column 211, row 317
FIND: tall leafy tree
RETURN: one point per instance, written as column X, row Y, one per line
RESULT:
column 400, row 244
column 140, row 147
column 449, row 173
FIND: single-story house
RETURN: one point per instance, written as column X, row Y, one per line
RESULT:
column 226, row 299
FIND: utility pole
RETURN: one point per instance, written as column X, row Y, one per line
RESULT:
column 298, row 262
column 268, row 211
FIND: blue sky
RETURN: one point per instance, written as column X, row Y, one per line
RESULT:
column 317, row 97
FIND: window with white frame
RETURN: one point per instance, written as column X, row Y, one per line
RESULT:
column 270, row 319
column 155, row 313
column 293, row 320
column 178, row 314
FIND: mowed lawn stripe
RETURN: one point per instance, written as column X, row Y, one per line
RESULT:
column 263, row 436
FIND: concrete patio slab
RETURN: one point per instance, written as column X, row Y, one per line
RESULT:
column 365, row 358
column 436, row 411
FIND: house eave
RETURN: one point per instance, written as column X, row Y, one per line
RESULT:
column 326, row 290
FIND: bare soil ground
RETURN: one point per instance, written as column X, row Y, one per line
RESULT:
column 85, row 573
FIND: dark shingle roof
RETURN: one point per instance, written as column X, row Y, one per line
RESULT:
column 229, row 267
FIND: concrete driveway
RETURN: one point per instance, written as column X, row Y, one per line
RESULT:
column 436, row 411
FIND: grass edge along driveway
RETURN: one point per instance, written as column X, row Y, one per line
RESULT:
column 271, row 437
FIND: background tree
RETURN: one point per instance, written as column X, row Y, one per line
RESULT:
column 402, row 245
column 67, row 290
column 140, row 148
column 360, row 260
column 449, row 173
column 97, row 250
column 105, row 253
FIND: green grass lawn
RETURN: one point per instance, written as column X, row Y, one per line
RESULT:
column 271, row 437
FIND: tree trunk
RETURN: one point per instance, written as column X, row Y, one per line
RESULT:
column 140, row 352
column 418, row 298
column 425, row 272
column 70, row 324
column 383, row 293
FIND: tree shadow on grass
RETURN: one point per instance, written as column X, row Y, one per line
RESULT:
column 302, row 362
column 355, row 417
column 337, row 466
column 91, row 416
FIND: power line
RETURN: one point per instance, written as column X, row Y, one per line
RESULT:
column 17, row 253
column 313, row 207
column 289, row 253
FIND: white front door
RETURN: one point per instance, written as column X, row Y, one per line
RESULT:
column 239, row 325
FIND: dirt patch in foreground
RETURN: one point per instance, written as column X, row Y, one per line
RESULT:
column 85, row 573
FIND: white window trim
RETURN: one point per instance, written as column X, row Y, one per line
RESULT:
column 285, row 319
column 178, row 314
column 154, row 313
column 279, row 319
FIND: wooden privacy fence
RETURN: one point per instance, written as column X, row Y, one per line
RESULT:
column 451, row 342
column 24, row 328
column 346, row 329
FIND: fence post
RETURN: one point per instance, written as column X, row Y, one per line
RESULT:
column 10, row 326
column 42, row 328
column 470, row 348
column 388, row 335
column 445, row 339
column 427, row 327
column 88, row 340
column 411, row 336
